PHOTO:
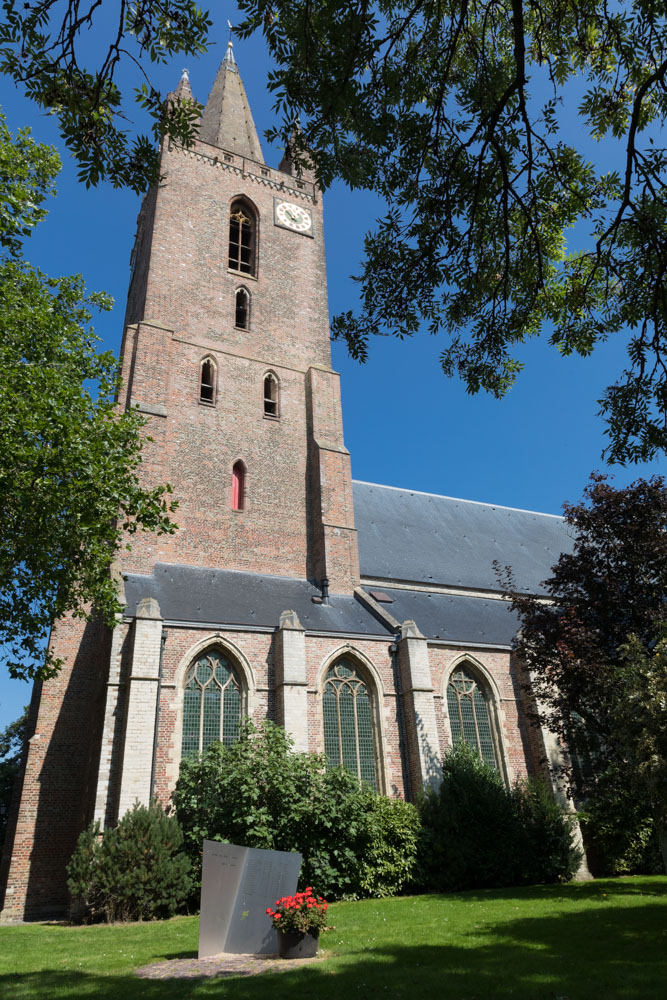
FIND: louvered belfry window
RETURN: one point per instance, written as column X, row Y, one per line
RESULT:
column 241, row 239
column 211, row 703
column 469, row 716
column 349, row 738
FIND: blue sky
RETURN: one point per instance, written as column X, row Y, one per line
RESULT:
column 405, row 424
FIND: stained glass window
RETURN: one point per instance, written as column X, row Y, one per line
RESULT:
column 349, row 738
column 211, row 703
column 469, row 715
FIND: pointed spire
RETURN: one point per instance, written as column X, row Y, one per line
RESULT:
column 227, row 119
column 183, row 91
column 304, row 169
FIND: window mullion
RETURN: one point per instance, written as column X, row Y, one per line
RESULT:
column 356, row 730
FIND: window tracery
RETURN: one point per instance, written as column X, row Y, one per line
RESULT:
column 212, row 702
column 349, row 730
column 469, row 715
column 242, row 238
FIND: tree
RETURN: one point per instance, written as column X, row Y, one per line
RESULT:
column 133, row 871
column 640, row 726
column 459, row 115
column 11, row 747
column 40, row 49
column 591, row 650
column 69, row 489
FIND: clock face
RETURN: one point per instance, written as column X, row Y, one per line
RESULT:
column 294, row 217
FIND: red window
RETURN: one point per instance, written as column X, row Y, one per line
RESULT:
column 238, row 486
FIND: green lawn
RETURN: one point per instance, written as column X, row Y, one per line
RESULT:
column 600, row 939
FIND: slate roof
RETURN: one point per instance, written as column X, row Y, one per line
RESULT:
column 404, row 536
column 423, row 538
column 227, row 120
column 476, row 620
column 226, row 597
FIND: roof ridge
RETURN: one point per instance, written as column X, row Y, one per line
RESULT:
column 442, row 496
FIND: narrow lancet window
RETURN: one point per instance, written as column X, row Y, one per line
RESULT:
column 242, row 239
column 242, row 300
column 270, row 395
column 238, row 486
column 207, row 382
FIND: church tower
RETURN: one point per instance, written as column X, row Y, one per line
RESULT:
column 227, row 352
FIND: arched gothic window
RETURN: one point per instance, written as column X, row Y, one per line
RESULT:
column 211, row 703
column 207, row 381
column 349, row 733
column 271, row 395
column 238, row 486
column 242, row 238
column 242, row 309
column 469, row 715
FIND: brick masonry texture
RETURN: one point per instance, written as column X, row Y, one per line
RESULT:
column 92, row 748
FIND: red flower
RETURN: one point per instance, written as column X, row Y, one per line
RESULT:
column 276, row 916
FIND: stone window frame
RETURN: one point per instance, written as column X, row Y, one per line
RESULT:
column 373, row 681
column 208, row 359
column 246, row 675
column 489, row 688
column 269, row 374
column 243, row 201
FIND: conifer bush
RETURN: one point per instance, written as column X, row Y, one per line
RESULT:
column 133, row 871
column 477, row 833
column 259, row 793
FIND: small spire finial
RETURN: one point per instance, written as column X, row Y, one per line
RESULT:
column 231, row 30
column 229, row 59
column 185, row 76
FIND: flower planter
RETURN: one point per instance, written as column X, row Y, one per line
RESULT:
column 298, row 944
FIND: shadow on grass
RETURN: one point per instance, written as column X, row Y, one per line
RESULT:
column 615, row 952
column 570, row 891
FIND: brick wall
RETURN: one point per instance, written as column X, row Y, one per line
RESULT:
column 60, row 772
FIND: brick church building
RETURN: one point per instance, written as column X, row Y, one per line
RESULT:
column 364, row 619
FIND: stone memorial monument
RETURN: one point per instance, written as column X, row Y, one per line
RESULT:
column 237, row 885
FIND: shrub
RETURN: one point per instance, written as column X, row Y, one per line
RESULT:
column 134, row 871
column 391, row 856
column 477, row 833
column 619, row 830
column 545, row 836
column 259, row 793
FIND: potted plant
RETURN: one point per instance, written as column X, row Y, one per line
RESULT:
column 299, row 920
